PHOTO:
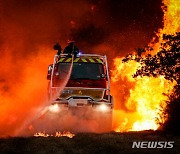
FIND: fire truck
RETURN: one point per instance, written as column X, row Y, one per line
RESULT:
column 81, row 83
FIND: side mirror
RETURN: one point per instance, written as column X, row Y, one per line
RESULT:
column 48, row 77
column 50, row 67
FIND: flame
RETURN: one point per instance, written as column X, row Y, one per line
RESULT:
column 171, row 17
column 66, row 134
column 171, row 20
column 146, row 97
column 41, row 134
column 142, row 100
column 58, row 134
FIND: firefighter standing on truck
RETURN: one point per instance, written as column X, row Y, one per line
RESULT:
column 71, row 48
column 57, row 47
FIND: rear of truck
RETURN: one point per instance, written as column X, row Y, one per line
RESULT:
column 87, row 87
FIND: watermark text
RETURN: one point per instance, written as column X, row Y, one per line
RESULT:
column 153, row 144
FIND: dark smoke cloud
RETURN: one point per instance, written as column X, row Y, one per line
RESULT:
column 122, row 25
column 89, row 35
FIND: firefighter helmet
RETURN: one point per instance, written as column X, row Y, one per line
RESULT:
column 70, row 41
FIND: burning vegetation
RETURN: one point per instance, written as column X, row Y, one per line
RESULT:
column 150, row 77
column 57, row 134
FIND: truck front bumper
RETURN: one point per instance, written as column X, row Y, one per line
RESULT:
column 58, row 106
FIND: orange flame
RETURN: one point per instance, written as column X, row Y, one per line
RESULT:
column 41, row 134
column 58, row 134
column 171, row 19
column 66, row 134
column 142, row 100
column 145, row 98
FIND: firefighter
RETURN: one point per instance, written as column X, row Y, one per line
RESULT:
column 71, row 48
column 58, row 48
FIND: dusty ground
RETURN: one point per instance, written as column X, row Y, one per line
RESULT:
column 88, row 143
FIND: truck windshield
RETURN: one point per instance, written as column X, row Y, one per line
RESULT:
column 86, row 71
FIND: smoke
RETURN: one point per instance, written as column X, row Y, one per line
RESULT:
column 28, row 30
column 116, row 28
column 42, row 110
column 21, row 92
column 64, row 119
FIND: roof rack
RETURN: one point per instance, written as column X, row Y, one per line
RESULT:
column 81, row 55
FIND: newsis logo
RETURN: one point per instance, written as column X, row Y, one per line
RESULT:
column 153, row 144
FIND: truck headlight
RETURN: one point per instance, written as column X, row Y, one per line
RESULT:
column 54, row 108
column 103, row 108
